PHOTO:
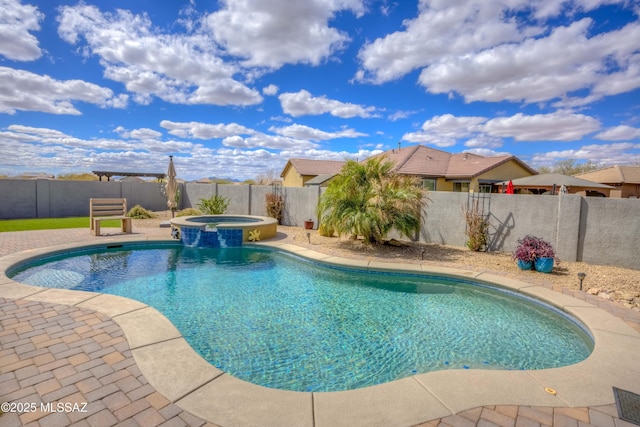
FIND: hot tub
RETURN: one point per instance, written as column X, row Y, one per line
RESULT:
column 223, row 230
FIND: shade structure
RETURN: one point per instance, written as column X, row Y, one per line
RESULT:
column 550, row 179
column 171, row 188
column 510, row 187
column 551, row 182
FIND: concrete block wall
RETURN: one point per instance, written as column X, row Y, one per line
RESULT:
column 609, row 232
column 513, row 217
column 595, row 230
column 18, row 199
column 193, row 193
column 259, row 199
column 442, row 220
column 239, row 198
column 44, row 198
column 300, row 203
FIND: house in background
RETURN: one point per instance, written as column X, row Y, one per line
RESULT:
column 625, row 179
column 461, row 172
column 438, row 170
column 298, row 172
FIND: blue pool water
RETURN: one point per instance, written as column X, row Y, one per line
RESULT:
column 272, row 319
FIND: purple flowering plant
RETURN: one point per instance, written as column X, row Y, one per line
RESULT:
column 531, row 248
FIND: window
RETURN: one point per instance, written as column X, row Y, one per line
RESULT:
column 485, row 188
column 461, row 187
column 429, row 184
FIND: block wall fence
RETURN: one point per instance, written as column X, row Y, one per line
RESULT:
column 590, row 229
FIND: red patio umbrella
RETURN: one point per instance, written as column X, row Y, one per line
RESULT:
column 510, row 187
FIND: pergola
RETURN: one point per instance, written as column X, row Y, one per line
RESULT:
column 108, row 174
column 552, row 182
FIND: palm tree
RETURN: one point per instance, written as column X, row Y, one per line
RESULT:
column 369, row 199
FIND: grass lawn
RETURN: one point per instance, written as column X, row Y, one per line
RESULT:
column 50, row 223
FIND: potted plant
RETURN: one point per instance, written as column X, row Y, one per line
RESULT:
column 545, row 256
column 308, row 225
column 534, row 251
column 525, row 253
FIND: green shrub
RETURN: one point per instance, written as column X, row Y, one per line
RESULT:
column 138, row 212
column 370, row 199
column 215, row 205
column 325, row 230
column 188, row 212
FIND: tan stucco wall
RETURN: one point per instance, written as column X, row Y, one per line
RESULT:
column 506, row 171
column 444, row 185
column 292, row 179
column 629, row 190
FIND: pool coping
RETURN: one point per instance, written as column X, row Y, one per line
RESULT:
column 176, row 371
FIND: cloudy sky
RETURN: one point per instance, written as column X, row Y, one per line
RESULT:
column 234, row 88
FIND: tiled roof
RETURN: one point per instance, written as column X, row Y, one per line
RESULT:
column 427, row 161
column 614, row 175
column 316, row 167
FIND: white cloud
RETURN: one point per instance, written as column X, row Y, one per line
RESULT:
column 543, row 69
column 441, row 29
column 559, row 126
column 480, row 132
column 142, row 133
column 483, row 142
column 485, row 51
column 619, row 133
column 16, row 22
column 270, row 90
column 26, row 91
column 238, row 158
column 138, row 140
column 425, row 138
column 606, row 154
column 205, row 130
column 481, row 151
column 398, row 115
column 305, row 132
column 178, row 68
column 277, row 32
column 303, row 103
column 445, row 130
column 275, row 142
column 320, row 154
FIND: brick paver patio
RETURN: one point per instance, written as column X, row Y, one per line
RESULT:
column 51, row 353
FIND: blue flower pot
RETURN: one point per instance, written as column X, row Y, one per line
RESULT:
column 544, row 265
column 524, row 265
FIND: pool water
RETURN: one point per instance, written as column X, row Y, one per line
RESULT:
column 275, row 320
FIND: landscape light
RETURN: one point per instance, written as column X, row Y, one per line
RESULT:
column 309, row 237
column 581, row 277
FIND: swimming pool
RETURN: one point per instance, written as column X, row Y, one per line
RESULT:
column 275, row 320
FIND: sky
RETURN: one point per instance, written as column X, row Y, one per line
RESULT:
column 235, row 88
